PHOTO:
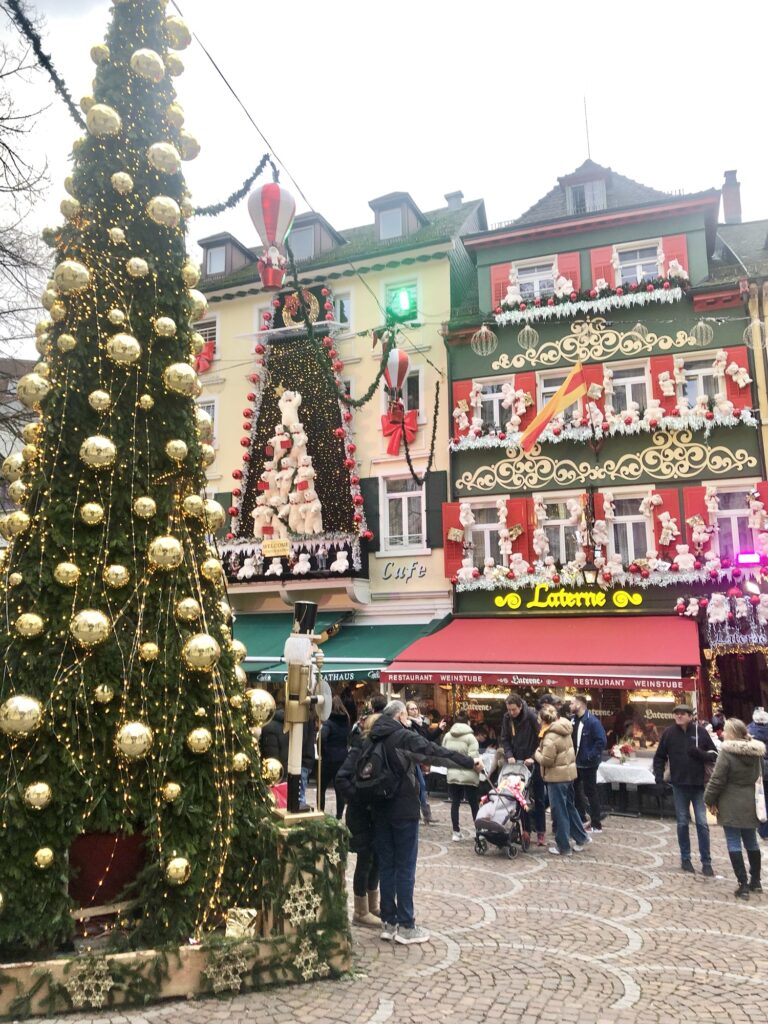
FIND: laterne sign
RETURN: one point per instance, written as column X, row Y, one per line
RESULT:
column 552, row 599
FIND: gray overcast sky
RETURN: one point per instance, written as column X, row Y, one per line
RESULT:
column 360, row 98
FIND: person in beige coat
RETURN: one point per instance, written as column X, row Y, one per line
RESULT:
column 557, row 760
column 462, row 782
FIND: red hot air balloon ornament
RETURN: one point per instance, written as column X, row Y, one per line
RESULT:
column 397, row 421
column 272, row 210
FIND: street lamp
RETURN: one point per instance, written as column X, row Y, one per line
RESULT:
column 589, row 571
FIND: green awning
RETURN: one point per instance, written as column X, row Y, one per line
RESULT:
column 356, row 653
column 264, row 635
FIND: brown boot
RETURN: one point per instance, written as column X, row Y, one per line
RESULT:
column 373, row 903
column 361, row 915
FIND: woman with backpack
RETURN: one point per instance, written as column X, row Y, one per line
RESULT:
column 334, row 743
column 462, row 782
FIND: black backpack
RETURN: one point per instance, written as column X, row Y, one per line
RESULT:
column 376, row 778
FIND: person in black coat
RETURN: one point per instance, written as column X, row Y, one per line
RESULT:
column 334, row 738
column 688, row 747
column 519, row 730
column 274, row 739
column 589, row 741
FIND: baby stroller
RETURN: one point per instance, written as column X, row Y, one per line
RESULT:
column 500, row 818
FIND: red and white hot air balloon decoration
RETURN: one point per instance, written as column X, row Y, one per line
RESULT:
column 395, row 373
column 272, row 210
column 397, row 422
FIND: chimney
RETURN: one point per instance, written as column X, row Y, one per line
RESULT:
column 731, row 199
column 454, row 200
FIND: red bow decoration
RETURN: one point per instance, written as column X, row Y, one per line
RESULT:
column 392, row 426
column 205, row 359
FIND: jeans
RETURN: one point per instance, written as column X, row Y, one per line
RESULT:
column 366, row 876
column 397, row 847
column 456, row 791
column 684, row 797
column 303, row 785
column 762, row 829
column 422, row 785
column 735, row 836
column 586, row 794
column 539, row 794
column 567, row 820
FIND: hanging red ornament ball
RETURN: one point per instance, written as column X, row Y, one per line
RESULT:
column 475, row 574
column 230, row 536
column 703, row 602
column 501, row 435
column 697, row 565
column 327, row 342
column 251, row 396
column 725, row 563
column 557, row 431
column 266, row 316
column 644, row 574
column 537, row 302
column 347, row 417
column 338, row 365
column 497, row 311
column 358, row 499
column 332, row 353
column 510, row 575
column 649, row 288
column 628, row 421
column 674, row 567
column 730, row 616
column 329, row 316
column 327, row 305
column 632, row 568
column 584, row 421
column 593, row 293
column 339, row 431
column 351, row 448
column 680, row 608
column 246, row 457
column 619, row 292
column 247, row 413
column 324, row 292
column 522, row 307
column 454, row 581
column 357, row 518
column 713, row 574
column 607, row 577
column 237, row 474
column 737, row 414
column 736, row 573
column 349, row 463
column 246, row 425
column 531, row 570
column 573, row 296
column 236, row 492
column 734, row 592
column 605, row 427
column 653, row 424
column 354, row 480
column 254, row 378
column 259, row 349
column 233, row 510
column 709, row 415
column 755, row 599
column 556, row 578
column 245, row 441
column 666, row 286
column 276, row 303
column 368, row 535
column 550, row 302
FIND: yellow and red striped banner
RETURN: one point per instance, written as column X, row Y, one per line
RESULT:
column 572, row 388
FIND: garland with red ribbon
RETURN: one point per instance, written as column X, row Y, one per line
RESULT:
column 395, row 424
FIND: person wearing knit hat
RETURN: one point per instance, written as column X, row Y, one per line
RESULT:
column 758, row 730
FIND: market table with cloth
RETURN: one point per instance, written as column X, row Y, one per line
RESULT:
column 614, row 776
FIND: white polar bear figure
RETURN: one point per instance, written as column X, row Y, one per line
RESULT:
column 275, row 567
column 717, row 609
column 540, row 542
column 467, row 570
column 299, row 443
column 518, row 564
column 340, row 562
column 653, row 411
column 667, row 384
column 289, row 403
column 762, row 610
column 669, row 529
column 302, row 566
column 248, row 569
column 692, row 610
column 293, row 513
column 280, row 442
column 305, row 474
column 269, row 477
column 263, row 514
column 285, row 477
column 684, row 560
column 312, row 512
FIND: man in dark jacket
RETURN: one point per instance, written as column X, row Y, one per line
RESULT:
column 519, row 730
column 396, row 820
column 589, row 743
column 688, row 747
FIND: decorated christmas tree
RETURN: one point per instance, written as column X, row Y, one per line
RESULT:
column 122, row 707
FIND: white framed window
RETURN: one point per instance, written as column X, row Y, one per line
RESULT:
column 733, row 533
column 699, row 380
column 485, row 535
column 302, row 243
column 548, row 384
column 403, row 514
column 630, row 532
column 637, row 261
column 209, row 330
column 561, row 534
column 402, row 299
column 390, row 223
column 210, row 405
column 586, row 197
column 342, row 309
column 216, row 259
column 630, row 384
column 536, row 281
column 413, row 392
column 490, row 401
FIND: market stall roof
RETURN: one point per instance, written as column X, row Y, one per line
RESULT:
column 643, row 652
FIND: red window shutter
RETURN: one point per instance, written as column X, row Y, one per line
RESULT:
column 519, row 512
column 600, row 261
column 599, row 505
column 741, row 397
column 461, row 389
column 452, row 549
column 762, row 489
column 569, row 265
column 499, row 282
column 527, row 382
column 593, row 374
column 671, row 504
column 658, row 365
column 693, row 504
column 675, row 247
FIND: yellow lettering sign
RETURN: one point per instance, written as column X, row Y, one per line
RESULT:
column 548, row 598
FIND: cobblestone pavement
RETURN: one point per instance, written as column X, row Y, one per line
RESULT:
column 613, row 935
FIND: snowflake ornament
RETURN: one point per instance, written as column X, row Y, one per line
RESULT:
column 302, row 903
column 308, row 962
column 225, row 970
column 88, row 982
column 333, row 856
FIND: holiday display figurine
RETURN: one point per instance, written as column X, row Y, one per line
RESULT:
column 460, row 416
column 699, row 532
column 649, row 503
column 717, row 609
column 757, row 515
column 667, row 384
column 609, row 506
column 678, row 370
column 340, row 563
column 272, row 210
column 518, row 565
column 738, row 374
column 669, row 529
column 247, row 571
column 718, row 367
column 275, row 567
column 489, row 567
column 467, row 519
column 397, row 424
column 762, row 610
column 712, row 503
column 540, row 543
column 466, row 573
column 539, row 509
column 600, row 533
column 302, row 566
column 653, row 412
column 723, row 404
column 684, row 560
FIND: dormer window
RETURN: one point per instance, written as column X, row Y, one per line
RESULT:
column 216, row 259
column 390, row 223
column 586, row 197
column 302, row 243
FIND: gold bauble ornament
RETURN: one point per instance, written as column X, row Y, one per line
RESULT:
column 103, row 693
column 149, row 651
column 189, row 147
column 196, row 343
column 71, row 276
column 43, row 327
column 122, row 182
column 183, row 379
column 48, row 297
column 42, row 368
column 137, row 267
column 199, row 304
column 145, row 507
column 4, row 528
column 165, row 552
column 58, row 310
column 69, row 186
column 201, row 652
column 240, row 676
column 20, row 715
column 165, row 326
column 78, row 144
column 178, row 871
column 226, row 633
column 37, row 795
column 100, row 53
column 69, row 208
column 66, row 342
column 66, row 573
column 170, row 791
column 199, row 740
column 32, row 390
column 32, row 432
column 164, row 157
column 204, row 424
column 29, row 453
column 18, row 492
column 91, row 513
column 200, row 713
column 123, row 349
column 190, row 274
column 148, row 64
column 212, row 570
column 188, row 609
column 207, row 455
column 236, row 701
column 116, row 316
column 174, row 65
column 116, row 235
column 15, row 579
column 240, row 762
column 133, row 740
column 192, row 505
column 17, row 522
column 239, row 650
column 99, row 401
column 271, row 770
column 176, row 449
column 44, row 857
column 262, row 705
column 164, row 211
column 178, row 35
column 98, row 452
column 13, row 466
column 85, row 105
column 103, row 120
column 29, row 625
column 146, row 402
column 41, row 344
column 187, row 207
column 174, row 115
column 226, row 610
column 90, row 627
column 116, row 576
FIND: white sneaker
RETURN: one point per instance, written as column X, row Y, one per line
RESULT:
column 579, row 847
column 388, row 932
column 556, row 853
column 408, row 935
column 457, row 837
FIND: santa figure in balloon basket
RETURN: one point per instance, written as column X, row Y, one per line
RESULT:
column 272, row 210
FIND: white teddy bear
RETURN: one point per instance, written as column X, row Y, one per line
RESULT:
column 712, row 561
column 712, row 502
column 723, row 404
column 476, row 398
column 649, row 503
column 489, row 568
column 518, row 564
column 539, row 509
column 683, row 409
column 341, row 561
column 614, row 564
column 461, row 419
column 676, row 269
column 684, row 560
column 667, row 384
column 702, row 406
column 505, row 545
column 467, row 570
column 762, row 610
column 678, row 370
column 669, row 529
column 609, row 506
column 692, row 610
column 654, row 411
column 757, row 515
column 761, row 544
column 699, row 535
column 738, row 374
column 302, row 566
column 540, row 542
column 717, row 609
column 466, row 516
column 476, row 426
column 631, row 413
column 289, row 403
column 652, row 558
column 275, row 567
column 573, row 505
column 549, row 568
column 600, row 533
column 741, row 608
column 563, row 286
column 248, row 569
column 312, row 513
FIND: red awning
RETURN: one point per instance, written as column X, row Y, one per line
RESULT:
column 644, row 652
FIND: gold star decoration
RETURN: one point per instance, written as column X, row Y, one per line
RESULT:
column 279, row 390
column 89, row 982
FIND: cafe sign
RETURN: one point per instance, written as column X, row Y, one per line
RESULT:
column 552, row 599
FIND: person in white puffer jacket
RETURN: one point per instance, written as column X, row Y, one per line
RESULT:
column 462, row 783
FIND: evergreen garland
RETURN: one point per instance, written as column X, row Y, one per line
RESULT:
column 242, row 192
